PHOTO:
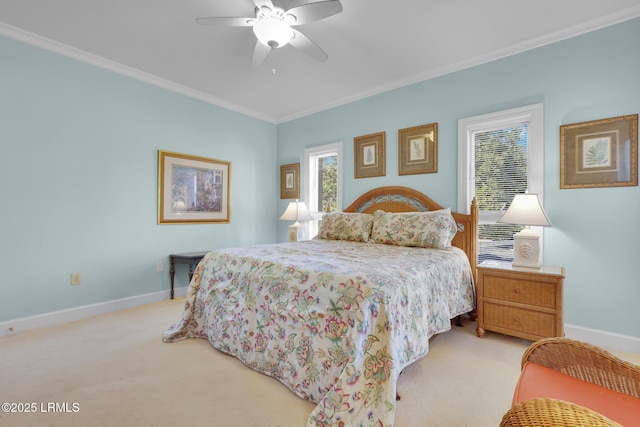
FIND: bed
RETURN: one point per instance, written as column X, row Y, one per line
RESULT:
column 338, row 317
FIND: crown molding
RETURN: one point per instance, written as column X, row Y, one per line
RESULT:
column 530, row 44
column 125, row 70
column 83, row 56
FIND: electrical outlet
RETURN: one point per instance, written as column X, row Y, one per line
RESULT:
column 159, row 266
column 76, row 279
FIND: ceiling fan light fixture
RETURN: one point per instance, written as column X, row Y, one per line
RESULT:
column 273, row 25
column 273, row 32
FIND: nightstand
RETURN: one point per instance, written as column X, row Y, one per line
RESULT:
column 522, row 302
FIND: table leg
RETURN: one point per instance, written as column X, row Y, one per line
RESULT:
column 191, row 265
column 172, row 274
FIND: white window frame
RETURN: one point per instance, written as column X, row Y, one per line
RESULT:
column 312, row 181
column 467, row 128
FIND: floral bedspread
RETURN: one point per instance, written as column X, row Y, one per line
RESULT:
column 334, row 321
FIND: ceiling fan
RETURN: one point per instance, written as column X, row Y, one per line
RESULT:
column 272, row 26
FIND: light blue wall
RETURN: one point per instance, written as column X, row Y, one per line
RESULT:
column 78, row 180
column 78, row 172
column 596, row 231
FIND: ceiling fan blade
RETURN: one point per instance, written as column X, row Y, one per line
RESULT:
column 260, row 53
column 260, row 3
column 311, row 12
column 304, row 43
column 226, row 21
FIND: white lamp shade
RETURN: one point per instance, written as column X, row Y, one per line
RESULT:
column 296, row 211
column 526, row 209
column 273, row 32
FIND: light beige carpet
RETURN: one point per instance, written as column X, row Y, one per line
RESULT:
column 114, row 370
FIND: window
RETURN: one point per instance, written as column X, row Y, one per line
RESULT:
column 500, row 155
column 323, row 166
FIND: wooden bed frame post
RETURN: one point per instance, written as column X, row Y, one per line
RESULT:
column 473, row 236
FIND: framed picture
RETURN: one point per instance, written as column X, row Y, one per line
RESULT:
column 369, row 155
column 193, row 190
column 418, row 149
column 599, row 153
column 290, row 181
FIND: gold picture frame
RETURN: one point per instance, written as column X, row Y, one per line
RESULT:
column 599, row 153
column 418, row 149
column 369, row 155
column 193, row 189
column 290, row 181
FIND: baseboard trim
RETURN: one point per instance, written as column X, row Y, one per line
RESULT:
column 24, row 324
column 603, row 339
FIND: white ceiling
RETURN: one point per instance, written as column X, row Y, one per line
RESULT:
column 373, row 45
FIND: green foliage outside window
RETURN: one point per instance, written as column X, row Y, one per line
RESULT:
column 328, row 170
column 501, row 173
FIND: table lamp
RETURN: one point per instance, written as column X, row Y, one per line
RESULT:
column 526, row 209
column 296, row 211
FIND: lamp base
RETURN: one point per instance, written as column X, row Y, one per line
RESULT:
column 526, row 250
column 296, row 232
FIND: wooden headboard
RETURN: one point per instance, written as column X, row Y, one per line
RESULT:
column 404, row 199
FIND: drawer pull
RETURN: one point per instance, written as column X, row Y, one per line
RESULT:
column 516, row 290
column 517, row 320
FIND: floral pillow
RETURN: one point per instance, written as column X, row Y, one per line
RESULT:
column 434, row 229
column 355, row 227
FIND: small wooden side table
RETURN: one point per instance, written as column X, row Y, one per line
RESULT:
column 191, row 258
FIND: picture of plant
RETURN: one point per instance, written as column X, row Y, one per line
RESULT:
column 599, row 153
column 596, row 152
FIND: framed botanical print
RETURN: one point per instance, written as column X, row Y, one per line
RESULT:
column 193, row 189
column 418, row 149
column 599, row 153
column 290, row 181
column 369, row 155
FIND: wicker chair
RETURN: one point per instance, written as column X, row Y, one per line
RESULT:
column 582, row 361
column 544, row 412
column 585, row 362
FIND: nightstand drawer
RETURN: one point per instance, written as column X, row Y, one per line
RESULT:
column 518, row 319
column 540, row 294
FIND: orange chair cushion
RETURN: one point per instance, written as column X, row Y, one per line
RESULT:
column 540, row 381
